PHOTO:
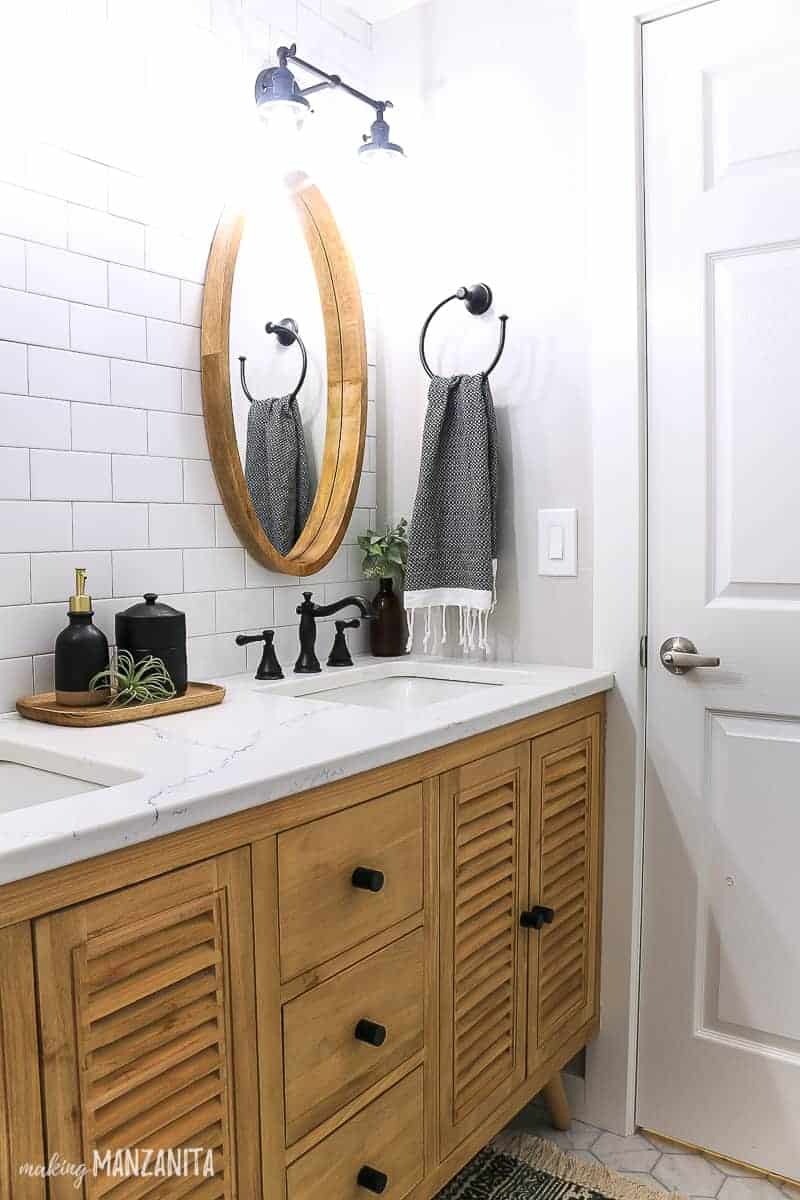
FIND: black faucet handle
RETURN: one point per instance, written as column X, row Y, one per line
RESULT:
column 340, row 654
column 269, row 667
column 244, row 639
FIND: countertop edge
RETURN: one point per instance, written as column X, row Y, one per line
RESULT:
column 47, row 851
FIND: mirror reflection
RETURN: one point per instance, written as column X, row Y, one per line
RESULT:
column 278, row 370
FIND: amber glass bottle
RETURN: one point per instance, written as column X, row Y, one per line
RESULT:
column 387, row 630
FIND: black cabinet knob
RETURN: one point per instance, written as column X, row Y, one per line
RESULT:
column 370, row 1032
column 372, row 1180
column 367, row 879
column 537, row 917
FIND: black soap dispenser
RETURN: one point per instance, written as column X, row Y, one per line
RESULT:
column 81, row 651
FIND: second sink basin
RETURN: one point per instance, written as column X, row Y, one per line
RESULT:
column 22, row 786
column 398, row 691
column 34, row 775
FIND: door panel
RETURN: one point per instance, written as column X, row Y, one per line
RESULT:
column 147, row 1003
column 565, row 876
column 721, row 949
column 754, row 297
column 485, row 809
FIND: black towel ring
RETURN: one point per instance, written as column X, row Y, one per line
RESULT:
column 286, row 332
column 477, row 300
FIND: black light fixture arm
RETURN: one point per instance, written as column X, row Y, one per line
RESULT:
column 477, row 300
column 289, row 54
column 287, row 333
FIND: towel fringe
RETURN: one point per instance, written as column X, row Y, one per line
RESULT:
column 473, row 627
column 410, row 642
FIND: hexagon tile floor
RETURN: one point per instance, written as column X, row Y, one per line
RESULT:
column 655, row 1162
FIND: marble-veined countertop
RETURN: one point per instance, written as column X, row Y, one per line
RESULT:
column 259, row 745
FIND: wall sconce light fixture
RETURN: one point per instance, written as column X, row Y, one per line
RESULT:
column 279, row 99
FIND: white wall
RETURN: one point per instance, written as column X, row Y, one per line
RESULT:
column 125, row 125
column 522, row 129
column 490, row 104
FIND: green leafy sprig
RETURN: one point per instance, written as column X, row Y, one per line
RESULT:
column 385, row 554
column 143, row 682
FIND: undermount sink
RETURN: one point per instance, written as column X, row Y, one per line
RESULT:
column 23, row 785
column 397, row 691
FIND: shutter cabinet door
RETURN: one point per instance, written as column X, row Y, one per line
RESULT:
column 565, row 876
column 485, row 808
column 21, row 1139
column 147, row 1012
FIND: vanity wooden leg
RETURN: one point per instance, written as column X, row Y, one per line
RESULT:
column 556, row 1100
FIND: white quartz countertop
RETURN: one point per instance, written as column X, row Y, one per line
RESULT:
column 259, row 745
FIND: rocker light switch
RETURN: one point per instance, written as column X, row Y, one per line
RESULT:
column 558, row 541
column 555, row 550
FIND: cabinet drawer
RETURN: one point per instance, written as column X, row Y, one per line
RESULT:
column 322, row 912
column 386, row 1136
column 326, row 1064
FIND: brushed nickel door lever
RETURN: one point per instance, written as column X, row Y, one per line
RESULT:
column 678, row 655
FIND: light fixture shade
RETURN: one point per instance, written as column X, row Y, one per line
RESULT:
column 276, row 89
column 283, row 117
column 388, row 157
column 377, row 147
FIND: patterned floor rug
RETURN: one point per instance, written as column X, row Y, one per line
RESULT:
column 518, row 1166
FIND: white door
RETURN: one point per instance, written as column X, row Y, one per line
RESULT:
column 719, row 1050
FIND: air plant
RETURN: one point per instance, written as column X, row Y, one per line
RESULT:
column 131, row 682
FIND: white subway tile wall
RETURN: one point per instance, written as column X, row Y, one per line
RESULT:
column 105, row 227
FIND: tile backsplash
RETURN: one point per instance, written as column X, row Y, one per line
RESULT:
column 103, row 456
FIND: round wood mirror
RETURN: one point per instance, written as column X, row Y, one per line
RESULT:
column 254, row 424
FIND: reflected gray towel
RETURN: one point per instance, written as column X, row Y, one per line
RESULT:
column 276, row 470
column 452, row 546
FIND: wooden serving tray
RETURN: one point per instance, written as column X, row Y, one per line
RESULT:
column 44, row 708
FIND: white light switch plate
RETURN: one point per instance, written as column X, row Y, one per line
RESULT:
column 558, row 541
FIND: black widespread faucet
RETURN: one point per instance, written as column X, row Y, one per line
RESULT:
column 307, row 662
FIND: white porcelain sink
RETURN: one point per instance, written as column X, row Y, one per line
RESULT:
column 394, row 684
column 399, row 692
column 53, row 777
column 22, row 786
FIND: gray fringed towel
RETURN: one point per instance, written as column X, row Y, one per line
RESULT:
column 276, row 470
column 452, row 550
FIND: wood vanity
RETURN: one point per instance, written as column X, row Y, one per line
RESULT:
column 333, row 981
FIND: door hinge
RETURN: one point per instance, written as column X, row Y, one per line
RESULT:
column 643, row 651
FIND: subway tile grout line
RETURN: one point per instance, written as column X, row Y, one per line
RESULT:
column 28, row 240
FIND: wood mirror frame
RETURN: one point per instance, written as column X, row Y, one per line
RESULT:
column 343, row 450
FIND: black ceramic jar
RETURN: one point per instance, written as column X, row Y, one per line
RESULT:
column 156, row 629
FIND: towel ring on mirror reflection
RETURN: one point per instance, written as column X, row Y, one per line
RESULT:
column 286, row 332
column 477, row 300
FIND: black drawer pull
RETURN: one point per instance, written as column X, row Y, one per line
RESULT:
column 367, row 879
column 537, row 918
column 372, row 1180
column 370, row 1032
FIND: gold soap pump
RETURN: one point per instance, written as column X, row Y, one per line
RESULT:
column 81, row 651
column 80, row 602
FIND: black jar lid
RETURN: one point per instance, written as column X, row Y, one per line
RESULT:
column 150, row 625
